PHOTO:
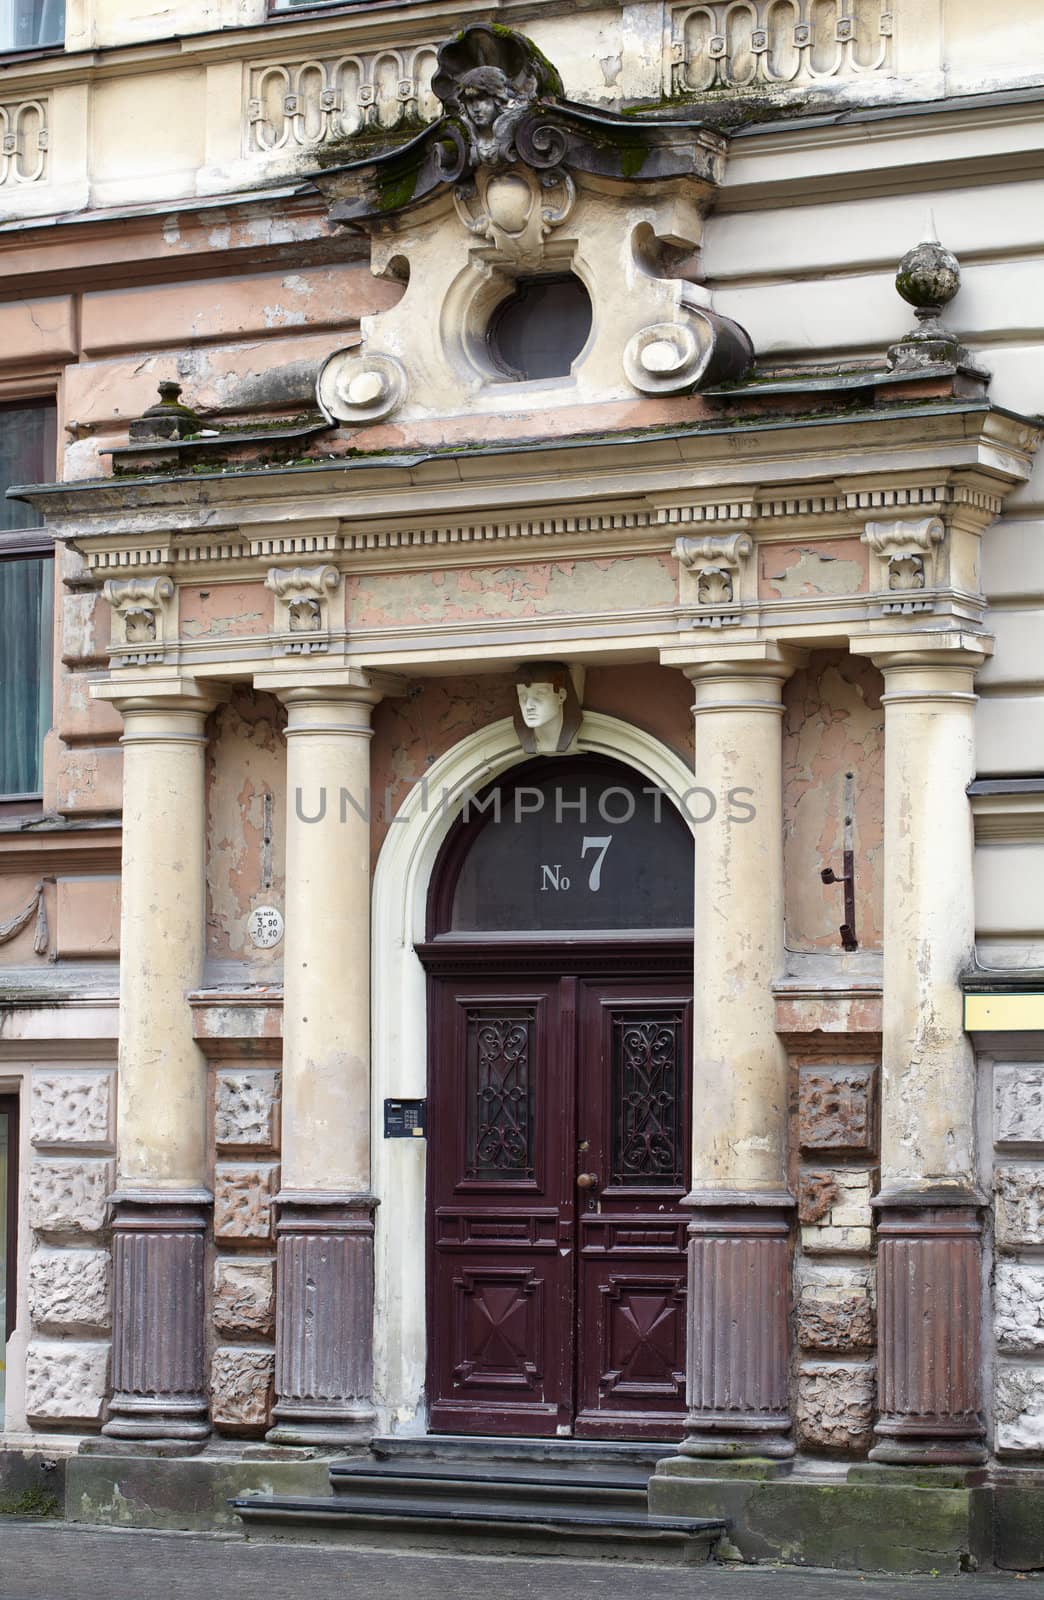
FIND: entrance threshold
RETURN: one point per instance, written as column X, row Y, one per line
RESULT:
column 489, row 1447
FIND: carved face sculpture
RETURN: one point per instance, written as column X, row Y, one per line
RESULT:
column 491, row 108
column 548, row 713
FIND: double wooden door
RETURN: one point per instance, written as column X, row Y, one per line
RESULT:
column 559, row 1132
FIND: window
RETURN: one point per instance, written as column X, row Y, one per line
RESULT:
column 27, row 455
column 540, row 329
column 31, row 24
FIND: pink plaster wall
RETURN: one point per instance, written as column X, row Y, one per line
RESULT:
column 833, row 724
column 539, row 588
column 246, row 759
column 224, row 610
column 816, row 567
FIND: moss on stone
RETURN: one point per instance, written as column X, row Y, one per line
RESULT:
column 35, row 1503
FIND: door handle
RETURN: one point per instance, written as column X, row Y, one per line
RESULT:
column 587, row 1180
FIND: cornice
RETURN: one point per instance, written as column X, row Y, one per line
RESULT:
column 783, row 468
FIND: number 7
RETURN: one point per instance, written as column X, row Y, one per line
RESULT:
column 601, row 843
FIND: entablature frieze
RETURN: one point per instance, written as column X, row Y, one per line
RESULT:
column 811, row 534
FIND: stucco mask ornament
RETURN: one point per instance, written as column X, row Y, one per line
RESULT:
column 548, row 715
column 490, row 79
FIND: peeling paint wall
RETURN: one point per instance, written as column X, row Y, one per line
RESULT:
column 817, row 567
column 225, row 610
column 543, row 588
column 833, row 724
column 246, row 826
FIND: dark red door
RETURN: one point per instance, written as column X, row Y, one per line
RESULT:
column 558, row 1127
column 633, row 1058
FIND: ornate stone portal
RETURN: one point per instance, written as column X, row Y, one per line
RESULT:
column 513, row 185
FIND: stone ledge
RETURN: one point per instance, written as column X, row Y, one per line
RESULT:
column 856, row 1527
column 191, row 1493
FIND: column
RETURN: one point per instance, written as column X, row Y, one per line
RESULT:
column 739, row 1236
column 161, row 1202
column 929, row 1216
column 324, row 1312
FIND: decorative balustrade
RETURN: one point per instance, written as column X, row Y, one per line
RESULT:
column 299, row 105
column 750, row 43
column 23, row 142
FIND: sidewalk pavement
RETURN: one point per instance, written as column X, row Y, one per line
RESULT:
column 61, row 1561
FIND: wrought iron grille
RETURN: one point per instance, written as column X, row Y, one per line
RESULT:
column 499, row 1095
column 646, row 1068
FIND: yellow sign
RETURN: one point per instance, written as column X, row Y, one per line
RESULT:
column 1003, row 1013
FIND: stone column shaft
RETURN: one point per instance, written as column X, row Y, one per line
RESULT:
column 324, row 1318
column 161, row 1203
column 929, row 1222
column 738, row 1239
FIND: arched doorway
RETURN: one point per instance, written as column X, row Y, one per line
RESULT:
column 559, row 962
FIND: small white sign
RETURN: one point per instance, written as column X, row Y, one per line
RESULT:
column 265, row 926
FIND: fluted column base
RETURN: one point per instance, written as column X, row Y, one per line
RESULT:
column 738, row 1344
column 324, row 1319
column 159, row 1384
column 929, row 1296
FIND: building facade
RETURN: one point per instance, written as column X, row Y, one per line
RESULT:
column 522, row 762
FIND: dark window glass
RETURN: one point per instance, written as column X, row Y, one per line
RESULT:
column 27, row 455
column 539, row 331
column 586, row 846
column 30, row 24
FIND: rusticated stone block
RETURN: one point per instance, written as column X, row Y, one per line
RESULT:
column 1018, row 1103
column 845, row 1223
column 69, row 1196
column 836, row 1108
column 241, row 1383
column 71, row 1108
column 1018, row 1405
column 244, row 1296
column 65, row 1382
column 1018, row 1301
column 1019, row 1202
column 70, row 1288
column 243, row 1199
column 835, row 1406
column 246, row 1110
column 835, row 1318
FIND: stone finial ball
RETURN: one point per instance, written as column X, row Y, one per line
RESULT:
column 929, row 275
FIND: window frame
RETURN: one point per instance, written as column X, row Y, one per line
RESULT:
column 320, row 8
column 22, row 544
column 15, row 54
column 10, row 1104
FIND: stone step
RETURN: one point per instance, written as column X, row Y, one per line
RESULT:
column 467, row 1525
column 532, row 1483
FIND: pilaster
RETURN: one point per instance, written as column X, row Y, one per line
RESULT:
column 324, row 1279
column 929, row 1217
column 161, row 1202
column 739, row 1236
